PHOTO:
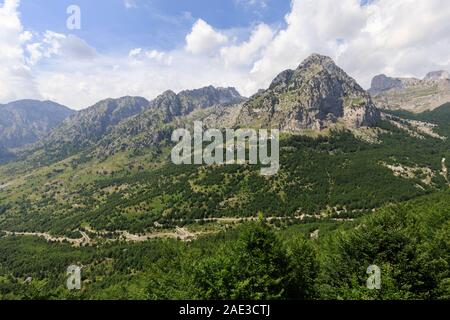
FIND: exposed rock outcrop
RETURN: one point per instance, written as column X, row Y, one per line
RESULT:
column 26, row 121
column 317, row 95
column 411, row 94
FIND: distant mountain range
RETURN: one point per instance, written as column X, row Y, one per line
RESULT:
column 115, row 124
column 26, row 121
column 411, row 94
column 318, row 95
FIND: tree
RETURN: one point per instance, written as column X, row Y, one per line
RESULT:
column 258, row 266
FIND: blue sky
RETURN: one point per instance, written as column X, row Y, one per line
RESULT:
column 144, row 47
column 111, row 25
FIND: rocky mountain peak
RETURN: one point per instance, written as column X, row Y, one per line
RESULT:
column 187, row 101
column 317, row 95
column 25, row 121
column 168, row 94
column 437, row 75
column 318, row 59
column 309, row 67
column 382, row 83
column 411, row 94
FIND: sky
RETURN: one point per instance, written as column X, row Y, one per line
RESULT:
column 144, row 47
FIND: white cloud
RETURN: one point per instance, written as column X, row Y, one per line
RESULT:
column 67, row 46
column 135, row 52
column 16, row 79
column 247, row 52
column 203, row 39
column 129, row 4
column 159, row 56
column 58, row 46
column 34, row 53
column 402, row 38
column 139, row 56
column 252, row 3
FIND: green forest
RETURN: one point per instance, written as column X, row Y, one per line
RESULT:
column 255, row 260
column 336, row 175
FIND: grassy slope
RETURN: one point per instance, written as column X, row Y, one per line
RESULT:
column 129, row 191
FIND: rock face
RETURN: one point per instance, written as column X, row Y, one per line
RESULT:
column 187, row 101
column 437, row 76
column 317, row 95
column 382, row 83
column 91, row 124
column 411, row 94
column 25, row 121
column 164, row 113
column 115, row 124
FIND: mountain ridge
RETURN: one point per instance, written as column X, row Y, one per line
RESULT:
column 411, row 94
column 316, row 95
column 25, row 121
column 111, row 121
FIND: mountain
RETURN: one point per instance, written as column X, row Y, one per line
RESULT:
column 83, row 130
column 164, row 114
column 90, row 125
column 189, row 100
column 317, row 95
column 411, row 94
column 437, row 76
column 115, row 124
column 25, row 121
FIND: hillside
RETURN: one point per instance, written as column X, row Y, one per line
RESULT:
column 114, row 125
column 121, row 177
column 26, row 121
column 439, row 116
column 411, row 94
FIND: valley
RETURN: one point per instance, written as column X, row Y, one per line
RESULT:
column 356, row 185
